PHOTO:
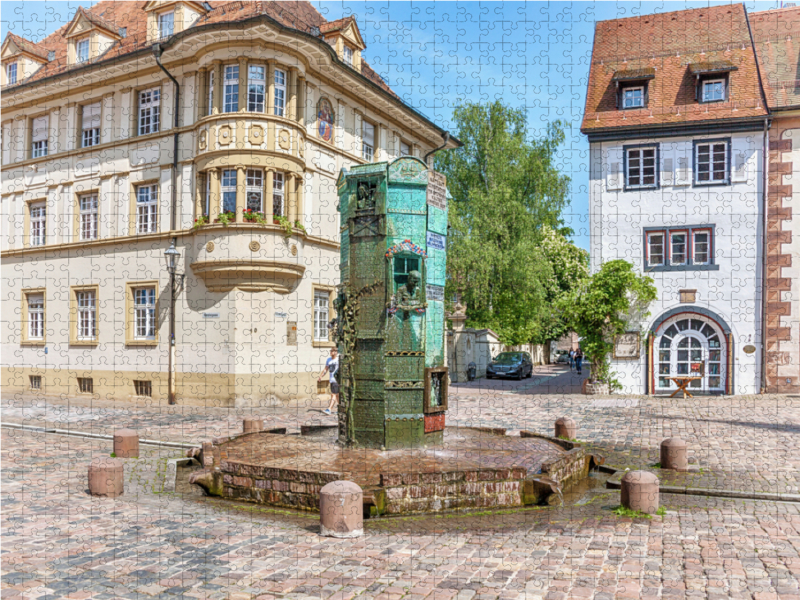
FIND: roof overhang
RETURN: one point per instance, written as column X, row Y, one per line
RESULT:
column 720, row 66
column 686, row 128
column 634, row 75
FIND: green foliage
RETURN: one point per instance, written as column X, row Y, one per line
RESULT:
column 226, row 218
column 113, row 455
column 285, row 224
column 621, row 511
column 604, row 307
column 200, row 221
column 662, row 510
column 507, row 198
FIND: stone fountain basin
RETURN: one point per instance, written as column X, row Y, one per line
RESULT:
column 471, row 468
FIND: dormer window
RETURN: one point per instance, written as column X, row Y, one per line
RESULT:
column 82, row 50
column 632, row 87
column 11, row 73
column 166, row 24
column 633, row 97
column 347, row 55
column 712, row 80
column 713, row 90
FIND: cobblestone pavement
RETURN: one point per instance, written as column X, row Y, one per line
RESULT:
column 59, row 542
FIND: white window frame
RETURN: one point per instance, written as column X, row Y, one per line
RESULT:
column 367, row 150
column 149, row 111
column 408, row 149
column 347, row 55
column 254, row 185
column 642, row 168
column 707, row 233
column 256, row 88
column 38, row 223
column 228, row 182
column 685, row 235
column 147, row 209
column 711, row 154
column 162, row 18
column 279, row 108
column 706, row 82
column 321, row 315
column 11, row 74
column 90, row 124
column 86, row 302
column 144, row 313
column 632, row 88
column 230, row 88
column 278, row 193
column 39, row 149
column 40, row 133
column 87, row 206
column 82, row 50
column 211, row 92
column 650, row 236
column 35, row 316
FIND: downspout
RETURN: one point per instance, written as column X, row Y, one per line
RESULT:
column 446, row 138
column 157, row 51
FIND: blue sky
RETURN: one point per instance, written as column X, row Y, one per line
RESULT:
column 437, row 54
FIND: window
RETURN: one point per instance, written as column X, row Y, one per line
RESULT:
column 149, row 111
column 85, row 385
column 143, row 388
column 231, row 88
column 36, row 382
column 144, row 307
column 40, row 132
column 321, row 310
column 210, row 92
column 147, row 209
column 11, row 73
column 255, row 190
column 347, row 53
column 368, row 140
column 166, row 24
column 711, row 162
column 641, row 168
column 633, row 97
column 402, row 267
column 255, row 88
column 91, row 125
column 82, row 50
column 88, row 217
column 677, row 252
column 713, row 90
column 701, row 247
column 229, row 190
column 277, row 194
column 405, row 149
column 35, row 317
column 87, row 315
column 38, row 216
column 655, row 248
column 280, row 92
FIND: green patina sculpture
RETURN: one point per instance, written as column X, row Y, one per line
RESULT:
column 390, row 305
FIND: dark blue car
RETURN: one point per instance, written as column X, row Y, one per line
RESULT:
column 510, row 364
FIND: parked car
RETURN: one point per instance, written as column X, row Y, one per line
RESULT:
column 562, row 357
column 510, row 364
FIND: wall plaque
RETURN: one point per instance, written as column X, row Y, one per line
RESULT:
column 434, row 292
column 210, row 315
column 627, row 345
column 749, row 349
column 291, row 333
column 435, row 241
column 437, row 190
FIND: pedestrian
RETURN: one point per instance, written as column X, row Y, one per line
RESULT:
column 331, row 367
column 578, row 359
column 571, row 359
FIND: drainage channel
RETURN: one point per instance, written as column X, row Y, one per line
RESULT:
column 94, row 436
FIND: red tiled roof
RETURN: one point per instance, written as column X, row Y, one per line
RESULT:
column 27, row 46
column 669, row 43
column 97, row 20
column 777, row 37
column 299, row 15
column 335, row 25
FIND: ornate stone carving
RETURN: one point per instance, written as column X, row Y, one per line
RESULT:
column 202, row 140
column 256, row 135
column 210, row 247
column 254, row 246
column 225, row 135
column 284, row 140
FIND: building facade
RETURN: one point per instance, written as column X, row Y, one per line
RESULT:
column 678, row 124
column 221, row 126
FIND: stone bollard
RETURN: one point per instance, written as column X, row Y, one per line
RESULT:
column 208, row 455
column 566, row 428
column 252, row 424
column 341, row 510
column 640, row 491
column 105, row 477
column 673, row 455
column 126, row 443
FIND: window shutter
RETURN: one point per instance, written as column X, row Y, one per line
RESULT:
column 668, row 172
column 615, row 176
column 91, row 116
column 740, row 167
column 40, row 125
column 683, row 174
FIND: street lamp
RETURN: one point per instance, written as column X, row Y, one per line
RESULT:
column 171, row 255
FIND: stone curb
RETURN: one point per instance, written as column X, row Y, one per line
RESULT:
column 96, row 436
column 673, row 489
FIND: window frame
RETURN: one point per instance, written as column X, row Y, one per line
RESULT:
column 690, row 264
column 131, row 314
column 709, row 250
column 279, row 192
column 40, row 147
column 227, row 188
column 25, row 338
column 8, row 73
column 78, row 45
column 257, row 176
column 253, row 106
column 330, row 292
column 76, row 339
column 656, row 166
column 686, row 233
column 159, row 17
column 88, row 213
column 348, row 55
column 364, row 145
column 630, row 87
column 279, row 111
column 94, row 132
column 407, row 145
column 230, row 88
column 38, row 219
column 152, row 202
column 710, row 80
column 710, row 142
column 210, row 110
column 648, row 251
column 152, row 105
column 147, row 308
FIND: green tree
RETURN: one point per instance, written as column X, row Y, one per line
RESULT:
column 606, row 306
column 506, row 188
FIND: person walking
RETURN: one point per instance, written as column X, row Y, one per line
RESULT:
column 331, row 367
column 572, row 359
column 578, row 359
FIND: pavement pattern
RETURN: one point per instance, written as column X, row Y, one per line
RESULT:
column 59, row 542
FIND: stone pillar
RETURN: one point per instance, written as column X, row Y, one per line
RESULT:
column 301, row 100
column 106, row 477
column 341, row 510
column 270, row 107
column 252, row 425
column 566, row 428
column 301, row 184
column 640, row 491
column 201, row 86
column 291, row 89
column 290, row 197
column 208, row 455
column 218, row 87
column 126, row 443
column 198, row 196
column 214, row 192
column 241, row 197
column 268, row 216
column 674, row 454
column 242, row 86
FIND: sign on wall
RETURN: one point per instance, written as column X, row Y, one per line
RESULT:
column 434, row 292
column 627, row 345
column 437, row 190
column 435, row 241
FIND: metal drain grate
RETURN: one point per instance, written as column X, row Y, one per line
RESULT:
column 615, row 403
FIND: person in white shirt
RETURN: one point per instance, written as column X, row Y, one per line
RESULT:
column 331, row 367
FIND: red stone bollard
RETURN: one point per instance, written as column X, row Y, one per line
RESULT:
column 566, row 428
column 126, row 443
column 341, row 510
column 106, row 477
column 674, row 455
column 252, row 424
column 640, row 491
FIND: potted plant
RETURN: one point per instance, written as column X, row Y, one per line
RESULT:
column 200, row 221
column 226, row 218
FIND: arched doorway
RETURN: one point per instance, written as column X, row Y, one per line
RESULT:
column 690, row 344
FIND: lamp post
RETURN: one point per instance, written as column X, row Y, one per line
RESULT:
column 171, row 256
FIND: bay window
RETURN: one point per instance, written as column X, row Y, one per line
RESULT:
column 229, row 190
column 231, row 89
column 255, row 190
column 255, row 88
